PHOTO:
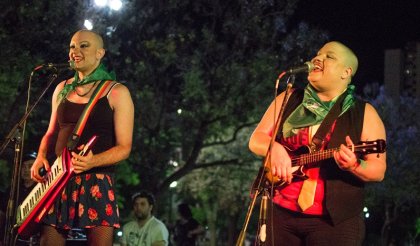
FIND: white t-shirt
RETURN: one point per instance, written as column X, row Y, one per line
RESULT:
column 154, row 230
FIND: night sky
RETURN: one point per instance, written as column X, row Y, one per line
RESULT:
column 366, row 26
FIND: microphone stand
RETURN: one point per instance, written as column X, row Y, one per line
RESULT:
column 15, row 135
column 260, row 183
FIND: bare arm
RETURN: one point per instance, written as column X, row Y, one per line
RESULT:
column 373, row 166
column 41, row 160
column 122, row 105
column 260, row 141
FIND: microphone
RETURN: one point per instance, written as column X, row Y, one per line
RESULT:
column 307, row 67
column 263, row 218
column 58, row 66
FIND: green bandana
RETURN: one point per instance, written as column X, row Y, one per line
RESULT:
column 99, row 73
column 312, row 110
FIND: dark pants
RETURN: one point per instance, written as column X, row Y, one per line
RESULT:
column 291, row 228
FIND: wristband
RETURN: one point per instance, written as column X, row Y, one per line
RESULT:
column 358, row 162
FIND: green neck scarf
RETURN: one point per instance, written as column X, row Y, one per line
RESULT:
column 100, row 73
column 312, row 110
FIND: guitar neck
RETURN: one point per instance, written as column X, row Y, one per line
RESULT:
column 317, row 156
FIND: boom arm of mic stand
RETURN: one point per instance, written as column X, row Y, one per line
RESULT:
column 13, row 134
column 241, row 238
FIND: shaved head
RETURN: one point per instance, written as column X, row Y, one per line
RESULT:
column 350, row 58
column 96, row 38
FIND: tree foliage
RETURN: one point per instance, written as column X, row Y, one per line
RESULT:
column 396, row 199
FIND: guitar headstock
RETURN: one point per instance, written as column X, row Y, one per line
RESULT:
column 368, row 147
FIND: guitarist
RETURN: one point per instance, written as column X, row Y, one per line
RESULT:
column 88, row 201
column 325, row 208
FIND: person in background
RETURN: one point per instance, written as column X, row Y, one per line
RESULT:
column 88, row 200
column 186, row 229
column 25, row 187
column 27, row 184
column 145, row 229
column 326, row 208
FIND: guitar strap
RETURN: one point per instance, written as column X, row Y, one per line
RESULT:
column 318, row 140
column 306, row 196
column 78, row 129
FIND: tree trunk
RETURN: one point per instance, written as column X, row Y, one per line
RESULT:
column 232, row 231
column 211, row 209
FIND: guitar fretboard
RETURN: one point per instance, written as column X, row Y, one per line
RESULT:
column 305, row 159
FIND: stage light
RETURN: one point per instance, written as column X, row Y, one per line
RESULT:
column 115, row 4
column 101, row 3
column 88, row 24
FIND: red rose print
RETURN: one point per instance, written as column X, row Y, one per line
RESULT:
column 111, row 196
column 109, row 179
column 87, row 177
column 75, row 195
column 95, row 192
column 82, row 190
column 93, row 215
column 78, row 180
column 105, row 223
column 72, row 213
column 108, row 210
column 81, row 210
column 63, row 196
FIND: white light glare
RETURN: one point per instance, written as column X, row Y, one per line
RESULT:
column 119, row 233
column 365, row 209
column 179, row 111
column 115, row 4
column 367, row 215
column 88, row 24
column 173, row 163
column 100, row 3
column 173, row 184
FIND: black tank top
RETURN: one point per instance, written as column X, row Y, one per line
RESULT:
column 100, row 123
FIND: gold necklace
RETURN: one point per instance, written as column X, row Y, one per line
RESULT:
column 84, row 94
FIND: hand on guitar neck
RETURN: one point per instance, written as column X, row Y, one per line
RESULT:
column 81, row 164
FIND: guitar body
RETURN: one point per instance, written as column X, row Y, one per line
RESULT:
column 297, row 171
column 43, row 195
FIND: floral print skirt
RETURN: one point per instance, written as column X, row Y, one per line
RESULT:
column 87, row 201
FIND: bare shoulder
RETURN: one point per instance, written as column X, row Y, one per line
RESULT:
column 370, row 111
column 117, row 89
column 373, row 127
column 119, row 94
